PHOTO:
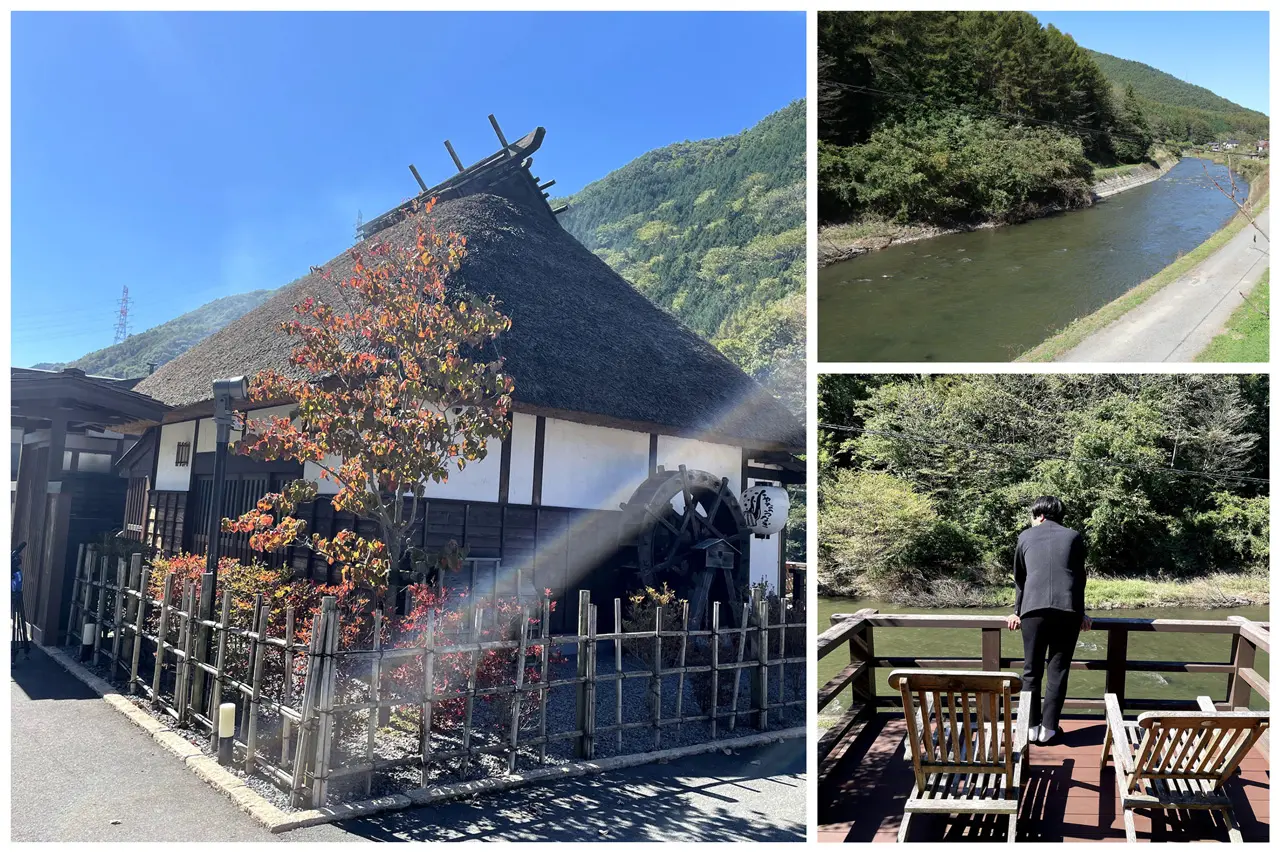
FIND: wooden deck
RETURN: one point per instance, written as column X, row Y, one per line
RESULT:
column 1067, row 796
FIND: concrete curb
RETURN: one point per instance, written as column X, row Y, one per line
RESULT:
column 277, row 820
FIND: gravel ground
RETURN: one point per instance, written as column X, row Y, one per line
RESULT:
column 491, row 727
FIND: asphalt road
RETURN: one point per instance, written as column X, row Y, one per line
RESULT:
column 1183, row 317
column 78, row 765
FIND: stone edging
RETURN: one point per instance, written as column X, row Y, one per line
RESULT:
column 277, row 820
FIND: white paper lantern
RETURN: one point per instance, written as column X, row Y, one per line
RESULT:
column 765, row 509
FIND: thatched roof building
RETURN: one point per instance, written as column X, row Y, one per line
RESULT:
column 582, row 339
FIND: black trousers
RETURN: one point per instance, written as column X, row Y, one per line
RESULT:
column 1048, row 642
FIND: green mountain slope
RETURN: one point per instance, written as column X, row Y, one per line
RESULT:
column 1179, row 110
column 714, row 232
column 163, row 343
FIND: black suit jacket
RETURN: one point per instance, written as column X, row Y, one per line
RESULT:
column 1048, row 569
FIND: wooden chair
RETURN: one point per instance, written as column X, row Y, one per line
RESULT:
column 1179, row 759
column 967, row 751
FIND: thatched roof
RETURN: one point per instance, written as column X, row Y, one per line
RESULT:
column 583, row 341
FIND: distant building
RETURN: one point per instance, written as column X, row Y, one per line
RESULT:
column 1264, row 146
column 1230, row 144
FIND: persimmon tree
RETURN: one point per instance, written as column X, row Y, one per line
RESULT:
column 393, row 389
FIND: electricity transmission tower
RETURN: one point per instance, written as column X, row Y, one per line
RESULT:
column 122, row 319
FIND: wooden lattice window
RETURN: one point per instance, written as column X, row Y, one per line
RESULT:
column 183, row 456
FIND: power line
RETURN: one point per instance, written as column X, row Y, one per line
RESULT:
column 1013, row 452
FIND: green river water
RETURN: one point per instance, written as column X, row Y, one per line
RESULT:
column 967, row 642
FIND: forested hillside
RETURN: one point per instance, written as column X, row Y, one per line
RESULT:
column 961, row 117
column 1180, row 111
column 928, row 485
column 163, row 343
column 714, row 231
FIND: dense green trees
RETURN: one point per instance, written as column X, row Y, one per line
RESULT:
column 952, row 118
column 934, row 481
column 713, row 231
column 1179, row 111
column 994, row 91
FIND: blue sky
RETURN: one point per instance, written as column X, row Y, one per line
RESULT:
column 196, row 156
column 1225, row 52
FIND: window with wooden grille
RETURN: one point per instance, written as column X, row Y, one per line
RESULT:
column 183, row 456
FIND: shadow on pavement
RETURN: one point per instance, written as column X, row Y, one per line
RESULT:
column 758, row 795
column 40, row 677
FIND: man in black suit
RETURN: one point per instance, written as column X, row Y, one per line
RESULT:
column 1048, row 572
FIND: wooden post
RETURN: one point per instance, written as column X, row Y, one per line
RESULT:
column 990, row 649
column 470, row 701
column 183, row 699
column 141, row 616
column 737, row 672
column 1117, row 662
column 655, row 681
column 514, row 736
column 684, row 646
column 261, row 610
column 428, row 691
column 205, row 605
column 160, row 639
column 715, row 665
column 286, row 683
column 590, row 735
column 580, row 694
column 324, row 736
column 617, row 672
column 1243, row 651
column 862, row 647
column 86, row 590
column 75, row 621
column 101, row 611
column 305, row 751
column 220, row 663
column 761, row 681
column 544, row 632
column 783, row 604
column 117, row 618
column 375, row 695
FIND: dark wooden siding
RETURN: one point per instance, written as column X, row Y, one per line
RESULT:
column 555, row 548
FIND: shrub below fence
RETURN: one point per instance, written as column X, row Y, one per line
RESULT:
column 329, row 710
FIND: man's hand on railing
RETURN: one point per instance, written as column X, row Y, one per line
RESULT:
column 1085, row 622
column 1013, row 621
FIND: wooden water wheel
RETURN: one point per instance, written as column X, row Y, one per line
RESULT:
column 687, row 529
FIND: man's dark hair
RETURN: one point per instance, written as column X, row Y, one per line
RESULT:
column 1049, row 507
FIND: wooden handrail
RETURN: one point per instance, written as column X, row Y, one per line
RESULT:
column 1247, row 638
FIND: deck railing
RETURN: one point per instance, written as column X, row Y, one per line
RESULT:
column 857, row 631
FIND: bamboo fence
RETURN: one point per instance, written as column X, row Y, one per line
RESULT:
column 315, row 718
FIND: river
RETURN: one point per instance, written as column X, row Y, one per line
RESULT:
column 992, row 294
column 966, row 642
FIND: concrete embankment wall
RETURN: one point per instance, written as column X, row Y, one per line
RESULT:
column 1136, row 177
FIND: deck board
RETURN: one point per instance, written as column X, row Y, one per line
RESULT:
column 1067, row 796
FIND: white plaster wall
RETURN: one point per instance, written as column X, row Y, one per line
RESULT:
column 719, row 459
column 524, row 434
column 311, row 471
column 170, row 477
column 591, row 467
column 477, row 482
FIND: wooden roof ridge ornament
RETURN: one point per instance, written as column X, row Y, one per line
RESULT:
column 506, row 172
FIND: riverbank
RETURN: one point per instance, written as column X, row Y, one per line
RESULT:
column 848, row 240
column 1185, row 270
column 1104, row 593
